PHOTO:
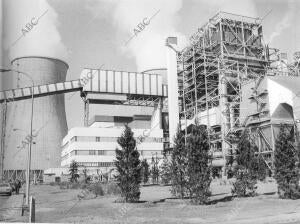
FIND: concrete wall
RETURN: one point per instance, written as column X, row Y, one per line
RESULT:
column 49, row 119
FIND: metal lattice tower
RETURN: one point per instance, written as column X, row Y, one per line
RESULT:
column 227, row 51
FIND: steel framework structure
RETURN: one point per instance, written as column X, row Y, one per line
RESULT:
column 227, row 51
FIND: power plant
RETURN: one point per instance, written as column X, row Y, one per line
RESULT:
column 224, row 79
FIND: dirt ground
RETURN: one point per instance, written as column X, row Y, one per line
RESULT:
column 158, row 206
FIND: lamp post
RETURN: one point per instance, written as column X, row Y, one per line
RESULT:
column 31, row 121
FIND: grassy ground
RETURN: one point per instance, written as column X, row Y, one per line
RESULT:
column 158, row 206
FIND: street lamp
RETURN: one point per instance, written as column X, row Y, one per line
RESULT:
column 31, row 121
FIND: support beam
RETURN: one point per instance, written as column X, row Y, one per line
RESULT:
column 173, row 102
column 3, row 131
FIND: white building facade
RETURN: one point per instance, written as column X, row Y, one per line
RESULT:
column 94, row 147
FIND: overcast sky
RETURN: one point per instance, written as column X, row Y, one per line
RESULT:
column 90, row 33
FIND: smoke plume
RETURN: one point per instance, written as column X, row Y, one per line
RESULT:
column 40, row 37
column 148, row 46
column 284, row 23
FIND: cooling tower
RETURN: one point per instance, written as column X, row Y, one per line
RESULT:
column 49, row 118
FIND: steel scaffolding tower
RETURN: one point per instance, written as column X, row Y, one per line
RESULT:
column 227, row 51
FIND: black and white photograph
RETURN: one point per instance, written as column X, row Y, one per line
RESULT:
column 150, row 111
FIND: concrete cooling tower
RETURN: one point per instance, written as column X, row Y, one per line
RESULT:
column 49, row 118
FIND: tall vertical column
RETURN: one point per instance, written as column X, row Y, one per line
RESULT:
column 86, row 112
column 3, row 109
column 173, row 103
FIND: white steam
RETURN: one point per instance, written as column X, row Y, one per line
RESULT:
column 284, row 23
column 244, row 7
column 43, row 39
column 148, row 46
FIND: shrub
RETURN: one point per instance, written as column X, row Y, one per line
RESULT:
column 199, row 169
column 64, row 185
column 154, row 170
column 250, row 167
column 286, row 165
column 75, row 185
column 112, row 188
column 73, row 171
column 165, row 171
column 52, row 183
column 96, row 189
column 245, row 184
column 145, row 171
column 83, row 185
column 178, row 166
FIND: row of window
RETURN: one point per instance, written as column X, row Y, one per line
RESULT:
column 94, row 152
column 96, row 164
column 110, row 139
column 107, row 153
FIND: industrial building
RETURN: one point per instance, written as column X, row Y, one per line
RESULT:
column 267, row 104
column 93, row 147
column 223, row 55
column 49, row 118
column 227, row 79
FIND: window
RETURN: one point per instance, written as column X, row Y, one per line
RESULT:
column 74, row 139
column 97, row 139
column 73, row 153
column 109, row 139
column 106, row 164
column 101, row 152
column 86, row 138
column 92, row 152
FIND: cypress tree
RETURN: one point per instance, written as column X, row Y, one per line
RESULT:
column 198, row 168
column 128, row 167
column 165, row 172
column 73, row 171
column 250, row 167
column 286, row 165
column 145, row 171
column 154, row 170
column 178, row 166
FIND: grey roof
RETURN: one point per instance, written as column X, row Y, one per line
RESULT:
column 290, row 82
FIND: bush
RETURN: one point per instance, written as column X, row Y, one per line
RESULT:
column 112, row 189
column 249, row 168
column 178, row 166
column 165, row 171
column 245, row 185
column 287, row 173
column 145, row 171
column 198, row 168
column 73, row 171
column 52, row 183
column 74, row 185
column 96, row 189
column 64, row 185
column 83, row 185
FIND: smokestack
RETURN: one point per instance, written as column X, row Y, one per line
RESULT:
column 173, row 103
column 49, row 117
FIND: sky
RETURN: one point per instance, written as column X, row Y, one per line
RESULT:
column 95, row 33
